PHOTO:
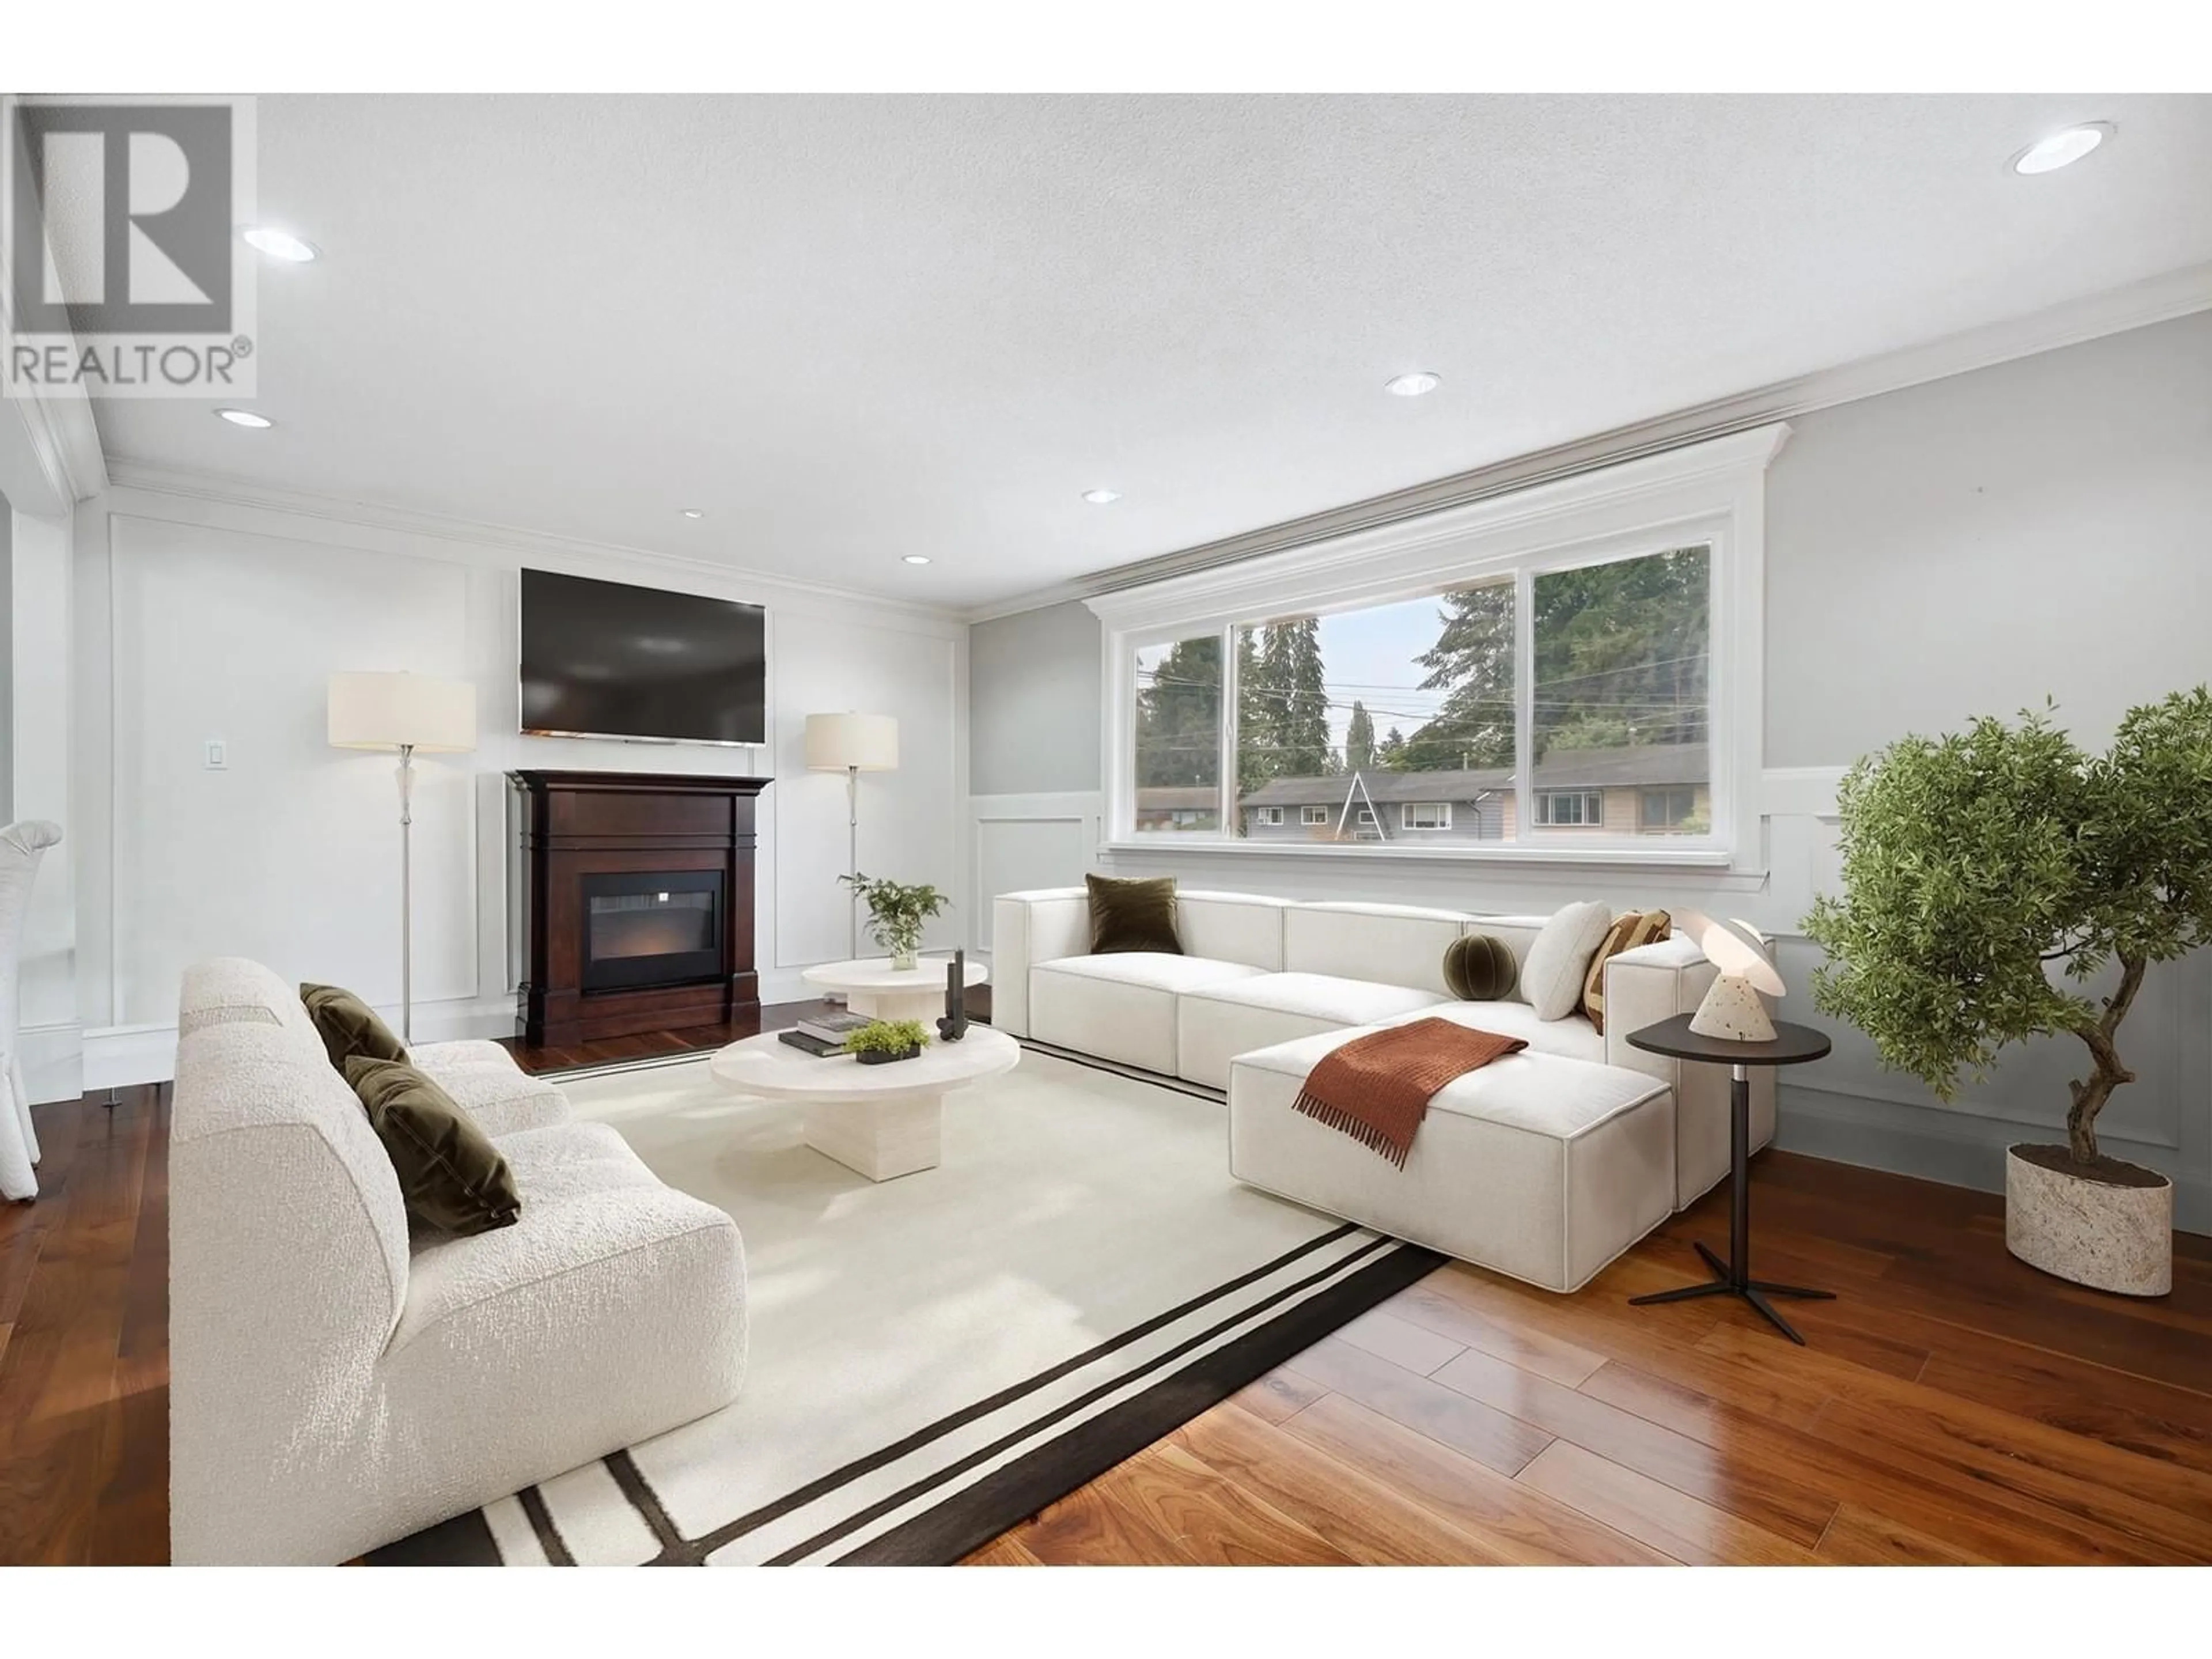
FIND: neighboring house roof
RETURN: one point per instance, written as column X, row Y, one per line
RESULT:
column 1563, row 768
column 1602, row 769
column 1178, row 797
column 1381, row 787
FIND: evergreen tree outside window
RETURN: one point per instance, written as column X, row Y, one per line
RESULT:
column 1420, row 709
column 1178, row 736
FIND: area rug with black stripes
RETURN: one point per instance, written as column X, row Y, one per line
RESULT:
column 936, row 1358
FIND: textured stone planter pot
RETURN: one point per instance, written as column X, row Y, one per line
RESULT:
column 2107, row 1237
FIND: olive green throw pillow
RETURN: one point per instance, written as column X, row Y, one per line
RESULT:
column 1480, row 968
column 450, row 1176
column 1133, row 915
column 348, row 1026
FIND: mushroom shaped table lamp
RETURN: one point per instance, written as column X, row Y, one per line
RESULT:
column 1732, row 1008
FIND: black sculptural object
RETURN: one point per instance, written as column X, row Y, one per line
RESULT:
column 954, row 1025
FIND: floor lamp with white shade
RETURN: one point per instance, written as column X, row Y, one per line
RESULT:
column 851, row 744
column 412, row 713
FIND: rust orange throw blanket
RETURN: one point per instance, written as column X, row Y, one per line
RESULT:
column 1377, row 1088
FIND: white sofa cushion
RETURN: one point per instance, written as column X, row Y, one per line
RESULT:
column 1571, row 1038
column 1551, row 973
column 438, row 1058
column 1219, row 1022
column 1321, row 996
column 586, row 1199
column 482, row 1080
column 1243, row 927
column 1542, row 1168
column 1388, row 943
column 1152, row 970
column 1121, row 1007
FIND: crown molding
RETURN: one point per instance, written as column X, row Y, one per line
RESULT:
column 1650, row 489
column 150, row 478
column 2156, row 300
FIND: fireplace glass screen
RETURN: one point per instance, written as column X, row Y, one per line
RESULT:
column 652, row 928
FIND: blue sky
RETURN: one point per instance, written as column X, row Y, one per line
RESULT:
column 1368, row 655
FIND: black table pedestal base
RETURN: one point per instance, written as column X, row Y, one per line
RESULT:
column 1733, row 1277
column 1753, row 1291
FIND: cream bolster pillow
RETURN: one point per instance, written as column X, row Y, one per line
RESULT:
column 1551, row 973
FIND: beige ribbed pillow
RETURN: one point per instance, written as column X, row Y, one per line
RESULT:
column 1628, row 932
column 1551, row 973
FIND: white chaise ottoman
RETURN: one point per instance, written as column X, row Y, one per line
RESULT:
column 1536, row 1166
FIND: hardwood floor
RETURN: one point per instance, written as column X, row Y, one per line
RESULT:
column 1955, row 1406
column 84, row 1340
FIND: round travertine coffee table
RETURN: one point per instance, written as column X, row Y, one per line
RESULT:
column 882, row 1120
column 873, row 986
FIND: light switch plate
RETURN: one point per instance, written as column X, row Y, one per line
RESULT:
column 218, row 755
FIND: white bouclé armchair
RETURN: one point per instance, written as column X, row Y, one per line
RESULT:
column 337, row 1384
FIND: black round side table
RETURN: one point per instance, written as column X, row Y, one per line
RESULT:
column 1793, row 1045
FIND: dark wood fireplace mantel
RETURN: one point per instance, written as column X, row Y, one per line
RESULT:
column 596, row 835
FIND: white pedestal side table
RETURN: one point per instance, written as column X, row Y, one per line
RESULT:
column 882, row 1120
column 873, row 986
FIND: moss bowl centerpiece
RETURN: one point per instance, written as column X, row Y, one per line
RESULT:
column 881, row 1041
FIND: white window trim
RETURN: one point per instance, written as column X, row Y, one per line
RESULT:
column 1711, row 493
column 1443, row 808
column 1311, row 815
column 1270, row 816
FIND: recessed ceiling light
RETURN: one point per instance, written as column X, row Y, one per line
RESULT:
column 1417, row 384
column 246, row 417
column 2062, row 149
column 693, row 512
column 1101, row 497
column 281, row 244
column 915, row 558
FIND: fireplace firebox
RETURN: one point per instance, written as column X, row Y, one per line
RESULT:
column 652, row 928
column 635, row 901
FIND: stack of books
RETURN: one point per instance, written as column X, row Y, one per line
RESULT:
column 824, row 1034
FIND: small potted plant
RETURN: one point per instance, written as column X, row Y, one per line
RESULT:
column 883, row 1041
column 1993, row 876
column 896, row 913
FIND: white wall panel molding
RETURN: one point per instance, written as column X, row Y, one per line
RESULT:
column 1856, row 1128
column 1026, row 840
column 193, row 498
column 203, row 618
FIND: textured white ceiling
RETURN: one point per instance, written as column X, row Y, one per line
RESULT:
column 854, row 328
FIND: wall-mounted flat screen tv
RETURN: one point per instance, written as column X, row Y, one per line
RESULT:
column 605, row 659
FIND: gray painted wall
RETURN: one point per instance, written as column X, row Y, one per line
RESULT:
column 1033, row 713
column 2040, row 528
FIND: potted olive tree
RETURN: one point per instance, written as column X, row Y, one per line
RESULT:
column 1999, row 883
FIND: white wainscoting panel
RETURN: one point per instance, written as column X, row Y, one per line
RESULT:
column 910, row 828
column 1022, row 842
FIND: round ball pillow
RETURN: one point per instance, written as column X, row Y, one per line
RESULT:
column 1479, row 969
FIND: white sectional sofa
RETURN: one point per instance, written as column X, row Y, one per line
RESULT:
column 336, row 1383
column 1544, row 1165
